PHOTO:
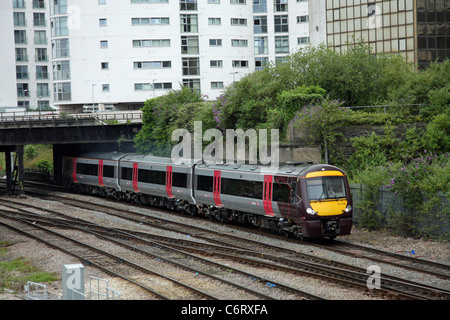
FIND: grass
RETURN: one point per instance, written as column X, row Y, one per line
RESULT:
column 33, row 155
column 15, row 274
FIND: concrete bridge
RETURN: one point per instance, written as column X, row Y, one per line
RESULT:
column 68, row 133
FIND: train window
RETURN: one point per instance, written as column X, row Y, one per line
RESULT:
column 179, row 179
column 320, row 188
column 152, row 176
column 108, row 171
column 87, row 169
column 127, row 173
column 242, row 188
column 281, row 192
column 205, row 183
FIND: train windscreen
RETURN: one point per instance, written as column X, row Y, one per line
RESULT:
column 325, row 188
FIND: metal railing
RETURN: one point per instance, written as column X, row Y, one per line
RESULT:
column 8, row 119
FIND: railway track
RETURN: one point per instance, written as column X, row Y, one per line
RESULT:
column 256, row 253
column 231, row 247
column 128, row 241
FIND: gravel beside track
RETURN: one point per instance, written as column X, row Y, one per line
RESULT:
column 52, row 260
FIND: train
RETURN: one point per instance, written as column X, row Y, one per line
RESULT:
column 299, row 200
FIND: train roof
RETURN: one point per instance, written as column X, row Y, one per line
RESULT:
column 284, row 169
column 114, row 155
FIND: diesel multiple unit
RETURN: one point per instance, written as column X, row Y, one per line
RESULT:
column 299, row 200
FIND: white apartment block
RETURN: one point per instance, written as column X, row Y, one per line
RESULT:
column 115, row 54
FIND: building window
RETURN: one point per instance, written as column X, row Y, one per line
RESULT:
column 21, row 72
column 18, row 3
column 21, row 54
column 40, row 37
column 39, row 20
column 239, row 63
column 38, row 4
column 103, row 44
column 191, row 66
column 239, row 43
column 261, row 62
column 261, row 45
column 58, row 7
column 162, row 85
column 105, row 65
column 189, row 45
column 151, row 1
column 149, row 86
column 214, row 21
column 260, row 24
column 188, row 23
column 42, row 90
column 302, row 19
column 61, row 70
column 152, row 64
column 41, row 54
column 149, row 21
column 20, row 37
column 43, row 104
column 151, row 43
column 280, row 5
column 238, row 22
column 19, row 19
column 216, row 84
column 259, row 6
column 41, row 72
column 59, row 26
column 62, row 91
column 282, row 44
column 60, row 48
column 105, row 87
column 102, row 22
column 281, row 23
column 303, row 40
column 193, row 84
column 237, row 1
column 22, row 90
column 103, row 1
column 188, row 4
column 216, row 64
column 215, row 42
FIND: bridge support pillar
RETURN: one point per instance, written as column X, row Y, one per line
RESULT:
column 21, row 169
column 14, row 170
column 9, row 172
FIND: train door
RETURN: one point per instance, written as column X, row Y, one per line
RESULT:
column 216, row 188
column 135, row 177
column 169, row 175
column 267, row 195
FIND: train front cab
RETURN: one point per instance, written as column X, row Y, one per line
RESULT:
column 327, row 203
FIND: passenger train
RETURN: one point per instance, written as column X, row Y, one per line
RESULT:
column 299, row 200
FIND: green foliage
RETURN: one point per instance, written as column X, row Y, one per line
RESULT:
column 45, row 166
column 418, row 183
column 30, row 152
column 16, row 273
column 373, row 150
column 162, row 115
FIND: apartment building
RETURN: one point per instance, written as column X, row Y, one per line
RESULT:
column 25, row 65
column 415, row 29
column 116, row 54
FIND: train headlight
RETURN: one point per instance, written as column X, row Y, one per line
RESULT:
column 310, row 211
column 348, row 209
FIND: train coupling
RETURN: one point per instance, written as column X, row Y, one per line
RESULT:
column 330, row 227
